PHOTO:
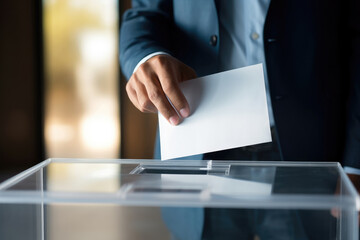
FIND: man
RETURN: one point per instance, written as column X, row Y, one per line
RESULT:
column 312, row 54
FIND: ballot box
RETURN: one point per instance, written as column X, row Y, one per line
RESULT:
column 151, row 199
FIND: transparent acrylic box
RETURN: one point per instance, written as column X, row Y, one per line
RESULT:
column 150, row 199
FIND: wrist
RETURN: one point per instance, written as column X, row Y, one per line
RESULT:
column 146, row 58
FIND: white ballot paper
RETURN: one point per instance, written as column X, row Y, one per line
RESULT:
column 229, row 110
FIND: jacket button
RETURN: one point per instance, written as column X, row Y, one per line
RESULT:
column 213, row 40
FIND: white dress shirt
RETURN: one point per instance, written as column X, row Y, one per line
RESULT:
column 241, row 24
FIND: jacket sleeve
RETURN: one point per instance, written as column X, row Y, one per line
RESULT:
column 146, row 28
column 352, row 149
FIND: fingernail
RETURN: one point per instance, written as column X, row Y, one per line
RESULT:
column 184, row 112
column 174, row 120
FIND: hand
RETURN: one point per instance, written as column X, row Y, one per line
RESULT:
column 157, row 79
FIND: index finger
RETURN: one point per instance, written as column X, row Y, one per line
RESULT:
column 170, row 86
column 159, row 99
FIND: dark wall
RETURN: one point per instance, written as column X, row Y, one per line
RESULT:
column 20, row 86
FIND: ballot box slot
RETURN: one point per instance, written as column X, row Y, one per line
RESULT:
column 164, row 190
column 183, row 170
column 173, row 171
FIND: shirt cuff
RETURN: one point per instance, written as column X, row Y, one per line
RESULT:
column 147, row 58
column 352, row 170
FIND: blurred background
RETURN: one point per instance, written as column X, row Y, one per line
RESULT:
column 62, row 94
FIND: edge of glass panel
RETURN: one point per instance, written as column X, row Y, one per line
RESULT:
column 19, row 177
column 200, row 162
column 167, row 200
column 350, row 186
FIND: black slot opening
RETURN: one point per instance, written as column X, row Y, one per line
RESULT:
column 174, row 171
column 165, row 190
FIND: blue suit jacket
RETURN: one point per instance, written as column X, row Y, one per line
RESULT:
column 312, row 51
